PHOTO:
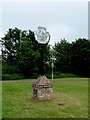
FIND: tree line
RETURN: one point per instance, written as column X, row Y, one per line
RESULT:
column 21, row 55
column 73, row 57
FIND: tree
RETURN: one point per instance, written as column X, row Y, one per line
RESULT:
column 21, row 51
column 27, row 58
column 62, row 54
column 73, row 57
column 10, row 44
column 81, row 57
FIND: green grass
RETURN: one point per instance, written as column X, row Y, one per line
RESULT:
column 70, row 99
column 0, row 100
column 72, row 79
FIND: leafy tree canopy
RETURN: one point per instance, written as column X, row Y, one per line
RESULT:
column 20, row 49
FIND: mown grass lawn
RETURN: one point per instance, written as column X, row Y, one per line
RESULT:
column 0, row 100
column 70, row 100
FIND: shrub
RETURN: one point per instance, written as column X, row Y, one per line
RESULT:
column 9, row 69
column 14, row 76
column 60, row 75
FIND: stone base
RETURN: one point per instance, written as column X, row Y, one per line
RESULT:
column 42, row 88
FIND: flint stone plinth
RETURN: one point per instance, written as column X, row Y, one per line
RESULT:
column 42, row 88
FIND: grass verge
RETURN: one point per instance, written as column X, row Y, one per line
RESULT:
column 70, row 100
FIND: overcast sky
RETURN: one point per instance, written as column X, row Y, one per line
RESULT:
column 67, row 20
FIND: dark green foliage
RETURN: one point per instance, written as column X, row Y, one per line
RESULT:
column 73, row 57
column 57, row 75
column 14, row 76
column 81, row 57
column 43, row 58
column 11, row 43
column 8, row 68
column 20, row 53
column 62, row 53
column 27, row 57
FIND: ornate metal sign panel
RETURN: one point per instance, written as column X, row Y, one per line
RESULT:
column 42, row 36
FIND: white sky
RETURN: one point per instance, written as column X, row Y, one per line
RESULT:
column 67, row 20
